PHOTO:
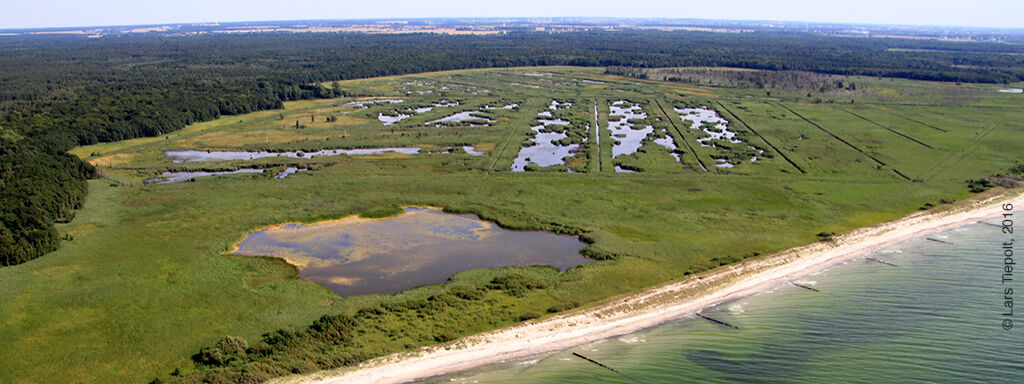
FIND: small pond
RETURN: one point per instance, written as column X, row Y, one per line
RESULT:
column 288, row 171
column 355, row 256
column 366, row 103
column 389, row 120
column 463, row 116
column 471, row 150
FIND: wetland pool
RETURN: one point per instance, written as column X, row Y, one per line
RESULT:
column 189, row 155
column 356, row 256
column 545, row 151
column 177, row 177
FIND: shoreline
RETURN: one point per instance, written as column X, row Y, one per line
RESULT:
column 651, row 307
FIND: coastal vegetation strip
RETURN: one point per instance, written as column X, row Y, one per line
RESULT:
column 625, row 314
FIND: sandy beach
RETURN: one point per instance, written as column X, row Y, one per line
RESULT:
column 634, row 312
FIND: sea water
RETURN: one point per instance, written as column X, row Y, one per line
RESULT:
column 935, row 315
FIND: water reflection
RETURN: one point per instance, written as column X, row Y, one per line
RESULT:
column 355, row 256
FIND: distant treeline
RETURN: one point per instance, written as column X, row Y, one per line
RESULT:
column 785, row 80
column 57, row 92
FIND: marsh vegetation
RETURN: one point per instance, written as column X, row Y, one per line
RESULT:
column 826, row 168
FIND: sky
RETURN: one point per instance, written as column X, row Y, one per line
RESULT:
column 67, row 13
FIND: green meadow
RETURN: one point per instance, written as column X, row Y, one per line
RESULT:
column 143, row 280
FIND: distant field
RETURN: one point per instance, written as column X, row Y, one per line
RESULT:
column 144, row 282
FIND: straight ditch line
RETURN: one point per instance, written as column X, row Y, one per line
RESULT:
column 909, row 119
column 597, row 136
column 844, row 141
column 889, row 129
column 783, row 154
column 681, row 136
column 959, row 155
column 512, row 134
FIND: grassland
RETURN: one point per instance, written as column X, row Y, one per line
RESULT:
column 143, row 281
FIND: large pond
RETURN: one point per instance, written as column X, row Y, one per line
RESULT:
column 355, row 256
column 189, row 155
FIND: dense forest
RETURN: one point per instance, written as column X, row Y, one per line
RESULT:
column 59, row 92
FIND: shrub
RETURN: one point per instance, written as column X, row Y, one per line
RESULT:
column 467, row 293
column 445, row 337
column 516, row 285
column 529, row 316
column 223, row 353
column 333, row 327
column 561, row 307
column 1018, row 168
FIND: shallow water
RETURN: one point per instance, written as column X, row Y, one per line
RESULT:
column 422, row 246
column 698, row 116
column 460, row 117
column 722, row 163
column 288, row 171
column 629, row 137
column 670, row 143
column 177, row 177
column 442, row 104
column 365, row 103
column 389, row 120
column 556, row 105
column 179, row 156
column 545, row 152
column 934, row 318
column 623, row 170
column 471, row 150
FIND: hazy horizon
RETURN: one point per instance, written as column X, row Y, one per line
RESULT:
column 109, row 13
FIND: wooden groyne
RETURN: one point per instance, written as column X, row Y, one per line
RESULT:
column 880, row 261
column 716, row 321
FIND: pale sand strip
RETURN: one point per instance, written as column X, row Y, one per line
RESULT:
column 655, row 306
